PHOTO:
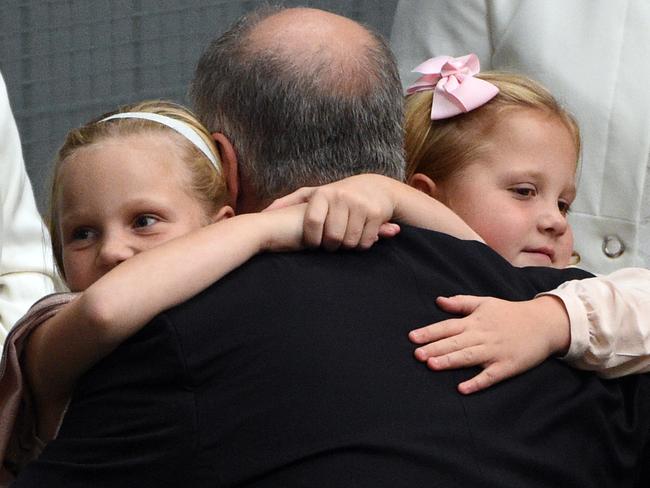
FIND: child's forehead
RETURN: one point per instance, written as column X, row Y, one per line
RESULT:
column 561, row 118
column 534, row 122
column 124, row 160
column 149, row 147
column 95, row 183
column 531, row 143
column 149, row 137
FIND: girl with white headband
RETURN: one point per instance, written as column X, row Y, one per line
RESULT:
column 123, row 184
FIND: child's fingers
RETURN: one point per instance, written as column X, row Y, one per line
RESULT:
column 374, row 216
column 437, row 331
column 314, row 221
column 389, row 229
column 370, row 235
column 336, row 225
column 301, row 195
column 443, row 347
column 460, row 304
column 486, row 378
column 356, row 227
column 370, row 231
column 459, row 358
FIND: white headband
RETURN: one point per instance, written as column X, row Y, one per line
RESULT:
column 181, row 127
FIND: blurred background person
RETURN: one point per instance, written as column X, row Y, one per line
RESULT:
column 26, row 269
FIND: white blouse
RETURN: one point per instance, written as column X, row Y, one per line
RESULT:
column 26, row 267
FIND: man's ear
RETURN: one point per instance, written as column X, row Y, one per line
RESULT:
column 229, row 165
column 422, row 182
column 224, row 212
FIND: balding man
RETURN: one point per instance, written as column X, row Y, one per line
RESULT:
column 296, row 370
column 299, row 97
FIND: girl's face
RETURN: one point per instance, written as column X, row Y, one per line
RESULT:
column 119, row 197
column 518, row 195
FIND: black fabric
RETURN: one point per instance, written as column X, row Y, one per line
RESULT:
column 296, row 370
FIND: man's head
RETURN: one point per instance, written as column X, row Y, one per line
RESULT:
column 305, row 97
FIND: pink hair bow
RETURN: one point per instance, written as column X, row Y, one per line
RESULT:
column 455, row 89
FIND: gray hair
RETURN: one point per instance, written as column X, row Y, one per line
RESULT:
column 301, row 123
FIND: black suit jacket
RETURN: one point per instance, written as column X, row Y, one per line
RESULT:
column 296, row 370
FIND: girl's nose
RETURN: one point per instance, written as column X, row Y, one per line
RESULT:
column 553, row 221
column 114, row 249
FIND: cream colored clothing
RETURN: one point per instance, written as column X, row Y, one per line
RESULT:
column 593, row 55
column 610, row 322
column 26, row 267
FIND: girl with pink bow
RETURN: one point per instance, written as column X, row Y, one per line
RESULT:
column 501, row 152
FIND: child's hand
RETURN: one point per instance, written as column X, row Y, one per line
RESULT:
column 351, row 213
column 505, row 338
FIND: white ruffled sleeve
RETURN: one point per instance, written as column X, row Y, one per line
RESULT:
column 610, row 322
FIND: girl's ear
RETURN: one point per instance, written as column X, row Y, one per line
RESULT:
column 229, row 165
column 224, row 212
column 422, row 182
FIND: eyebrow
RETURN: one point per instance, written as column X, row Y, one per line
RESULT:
column 74, row 220
column 153, row 203
column 73, row 215
column 573, row 190
column 518, row 173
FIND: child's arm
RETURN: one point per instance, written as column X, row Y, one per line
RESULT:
column 105, row 315
column 350, row 213
column 601, row 322
column 376, row 199
column 129, row 296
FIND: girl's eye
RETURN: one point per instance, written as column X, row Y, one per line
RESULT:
column 83, row 234
column 524, row 191
column 144, row 221
column 564, row 207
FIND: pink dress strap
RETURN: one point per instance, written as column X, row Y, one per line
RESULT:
column 18, row 441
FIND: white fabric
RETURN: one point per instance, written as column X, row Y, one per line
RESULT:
column 26, row 267
column 593, row 55
column 610, row 323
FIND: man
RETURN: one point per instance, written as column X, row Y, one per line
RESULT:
column 296, row 370
column 299, row 107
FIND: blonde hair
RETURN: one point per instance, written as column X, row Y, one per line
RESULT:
column 207, row 183
column 441, row 148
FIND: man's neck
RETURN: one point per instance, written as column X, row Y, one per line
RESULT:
column 247, row 202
